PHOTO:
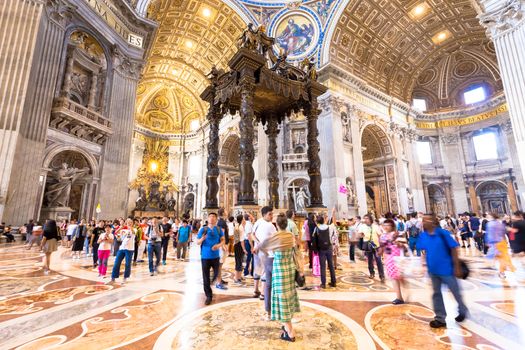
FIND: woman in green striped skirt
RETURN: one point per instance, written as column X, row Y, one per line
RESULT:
column 285, row 301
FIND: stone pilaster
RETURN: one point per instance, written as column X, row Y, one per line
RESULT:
column 31, row 44
column 454, row 163
column 114, row 191
column 332, row 152
column 505, row 23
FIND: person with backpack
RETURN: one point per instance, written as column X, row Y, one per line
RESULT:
column 78, row 239
column 211, row 240
column 154, row 236
column 413, row 229
column 475, row 227
column 322, row 245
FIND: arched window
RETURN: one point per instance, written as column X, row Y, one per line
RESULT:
column 474, row 94
column 485, row 145
column 420, row 104
column 424, row 152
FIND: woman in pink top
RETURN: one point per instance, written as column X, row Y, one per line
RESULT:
column 104, row 250
column 392, row 247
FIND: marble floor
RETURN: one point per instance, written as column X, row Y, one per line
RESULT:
column 72, row 308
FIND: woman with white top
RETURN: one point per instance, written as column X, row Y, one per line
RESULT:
column 105, row 241
column 126, row 249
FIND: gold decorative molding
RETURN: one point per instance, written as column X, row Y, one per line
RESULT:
column 463, row 121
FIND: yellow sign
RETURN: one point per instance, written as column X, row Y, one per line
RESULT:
column 463, row 121
column 107, row 12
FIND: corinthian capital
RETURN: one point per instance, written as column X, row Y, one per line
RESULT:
column 507, row 17
column 60, row 11
column 331, row 103
column 126, row 66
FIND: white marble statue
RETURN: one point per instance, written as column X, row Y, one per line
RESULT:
column 301, row 199
column 57, row 193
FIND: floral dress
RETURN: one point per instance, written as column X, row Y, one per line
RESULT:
column 391, row 251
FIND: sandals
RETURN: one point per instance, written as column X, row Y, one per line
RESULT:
column 256, row 294
column 285, row 336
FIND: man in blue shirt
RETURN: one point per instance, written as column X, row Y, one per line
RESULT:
column 183, row 236
column 443, row 267
column 211, row 239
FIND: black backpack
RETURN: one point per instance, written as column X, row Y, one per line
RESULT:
column 413, row 230
column 322, row 239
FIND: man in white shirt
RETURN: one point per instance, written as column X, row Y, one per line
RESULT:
column 70, row 230
column 262, row 230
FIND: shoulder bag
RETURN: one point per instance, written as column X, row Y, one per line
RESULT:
column 465, row 271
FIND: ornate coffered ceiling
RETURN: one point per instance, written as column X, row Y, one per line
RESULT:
column 390, row 43
column 193, row 36
column 404, row 48
column 445, row 78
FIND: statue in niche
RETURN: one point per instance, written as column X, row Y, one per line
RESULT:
column 171, row 204
column 57, row 193
column 350, row 192
column 141, row 202
column 188, row 204
column 154, row 195
column 164, row 197
column 299, row 137
column 410, row 197
column 301, row 200
column 79, row 82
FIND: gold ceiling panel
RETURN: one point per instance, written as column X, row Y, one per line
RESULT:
column 193, row 36
column 389, row 43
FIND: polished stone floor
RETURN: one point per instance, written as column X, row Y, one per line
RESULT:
column 72, row 308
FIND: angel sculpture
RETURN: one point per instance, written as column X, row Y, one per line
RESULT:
column 308, row 66
column 248, row 38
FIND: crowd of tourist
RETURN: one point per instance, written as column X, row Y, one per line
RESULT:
column 271, row 249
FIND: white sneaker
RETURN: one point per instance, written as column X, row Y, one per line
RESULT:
column 124, row 281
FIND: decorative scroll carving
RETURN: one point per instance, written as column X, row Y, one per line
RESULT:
column 449, row 139
column 126, row 66
column 506, row 126
column 60, row 11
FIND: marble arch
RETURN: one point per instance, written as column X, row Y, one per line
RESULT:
column 229, row 154
column 57, row 149
column 379, row 136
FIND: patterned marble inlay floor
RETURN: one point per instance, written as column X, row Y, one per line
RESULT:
column 72, row 308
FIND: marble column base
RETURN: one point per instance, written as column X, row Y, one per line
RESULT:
column 317, row 210
column 255, row 210
column 56, row 213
